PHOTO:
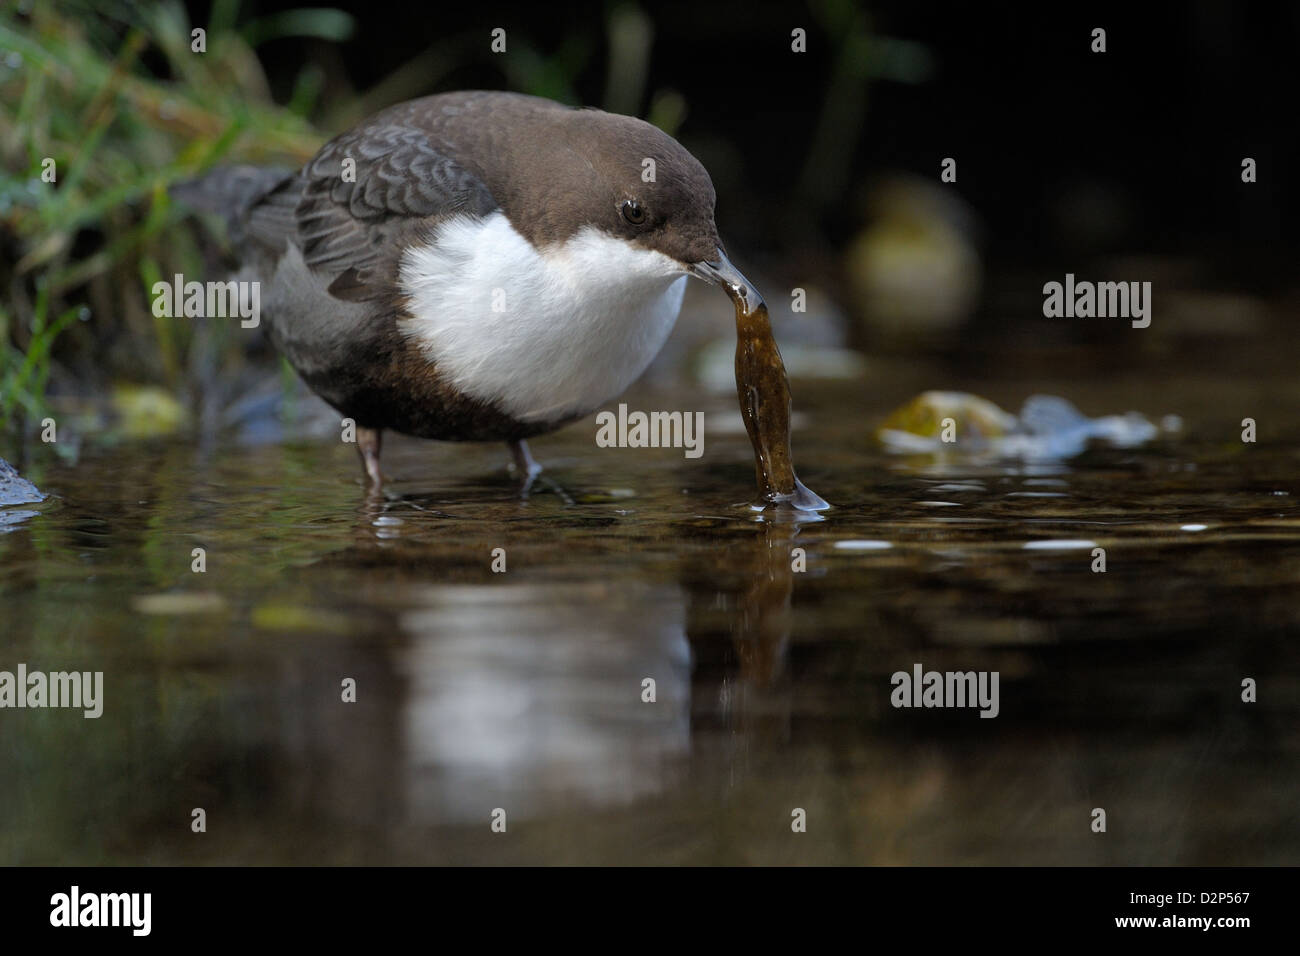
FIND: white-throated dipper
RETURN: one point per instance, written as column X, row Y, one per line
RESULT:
column 475, row 266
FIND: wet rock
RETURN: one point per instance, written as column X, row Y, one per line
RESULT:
column 15, row 489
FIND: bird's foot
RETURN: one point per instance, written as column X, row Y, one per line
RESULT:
column 529, row 473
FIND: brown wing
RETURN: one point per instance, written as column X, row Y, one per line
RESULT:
column 353, row 219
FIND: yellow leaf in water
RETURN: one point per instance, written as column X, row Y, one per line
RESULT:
column 182, row 602
column 144, row 411
column 291, row 617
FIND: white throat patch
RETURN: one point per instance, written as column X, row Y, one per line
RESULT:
column 543, row 335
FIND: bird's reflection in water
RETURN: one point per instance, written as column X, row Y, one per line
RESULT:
column 532, row 698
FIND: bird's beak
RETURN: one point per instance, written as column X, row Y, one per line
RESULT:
column 721, row 272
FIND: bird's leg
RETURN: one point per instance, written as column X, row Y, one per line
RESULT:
column 530, row 473
column 525, row 465
column 369, row 441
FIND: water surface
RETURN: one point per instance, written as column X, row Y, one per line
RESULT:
column 523, row 690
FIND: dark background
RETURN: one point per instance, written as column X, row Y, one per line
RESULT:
column 1155, row 128
column 1123, row 165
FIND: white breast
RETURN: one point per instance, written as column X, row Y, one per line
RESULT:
column 544, row 335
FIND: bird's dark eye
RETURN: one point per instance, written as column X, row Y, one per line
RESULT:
column 633, row 212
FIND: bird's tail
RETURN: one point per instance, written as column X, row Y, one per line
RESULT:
column 230, row 192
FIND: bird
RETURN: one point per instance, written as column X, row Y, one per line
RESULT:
column 474, row 266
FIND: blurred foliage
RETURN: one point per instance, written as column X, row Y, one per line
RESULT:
column 115, row 96
column 860, row 56
column 24, row 376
